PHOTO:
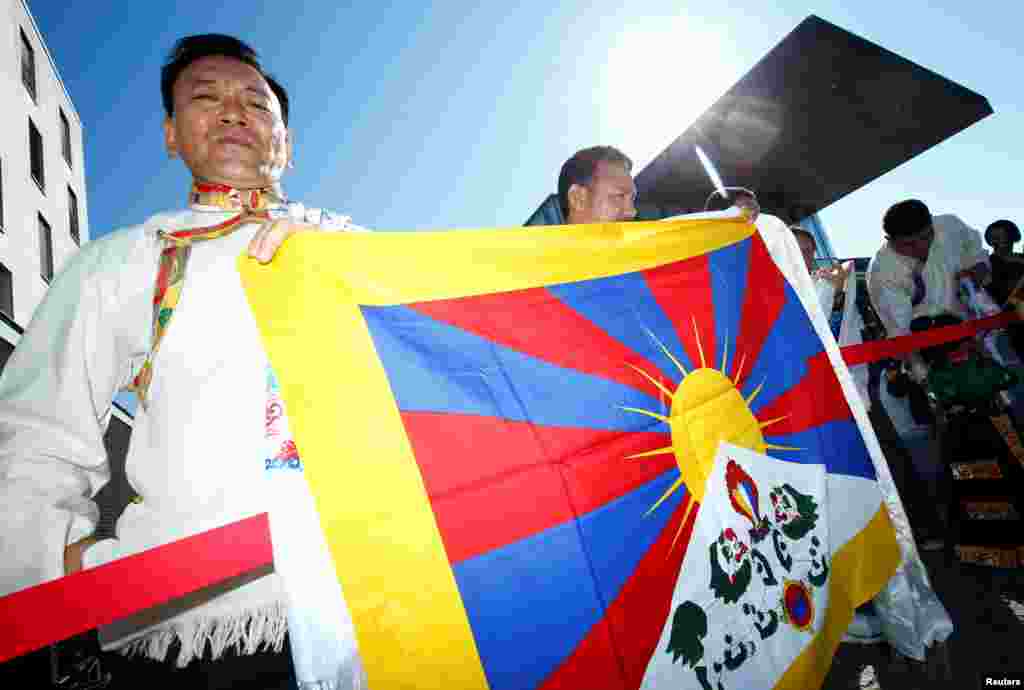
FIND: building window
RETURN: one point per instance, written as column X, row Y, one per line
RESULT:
column 28, row 65
column 73, row 215
column 65, row 136
column 45, row 250
column 6, row 292
column 6, row 350
column 35, row 152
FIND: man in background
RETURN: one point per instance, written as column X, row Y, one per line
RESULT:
column 596, row 186
column 829, row 282
column 917, row 270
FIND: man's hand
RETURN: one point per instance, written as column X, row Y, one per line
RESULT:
column 74, row 554
column 978, row 273
column 748, row 204
column 966, row 273
column 836, row 274
column 271, row 235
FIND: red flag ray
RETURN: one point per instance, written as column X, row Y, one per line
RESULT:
column 763, row 302
column 684, row 292
column 633, row 621
column 817, row 399
column 522, row 470
column 535, row 322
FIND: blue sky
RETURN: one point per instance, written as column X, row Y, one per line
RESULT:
column 416, row 116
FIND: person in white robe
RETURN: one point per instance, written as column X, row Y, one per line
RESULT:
column 159, row 308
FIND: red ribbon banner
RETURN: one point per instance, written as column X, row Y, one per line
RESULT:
column 875, row 350
column 56, row 610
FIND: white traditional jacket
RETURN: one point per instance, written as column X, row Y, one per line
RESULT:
column 199, row 454
column 903, row 288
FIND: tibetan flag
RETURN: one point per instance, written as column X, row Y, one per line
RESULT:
column 608, row 456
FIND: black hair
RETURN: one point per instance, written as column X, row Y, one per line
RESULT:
column 581, row 167
column 1007, row 225
column 191, row 48
column 799, row 230
column 906, row 218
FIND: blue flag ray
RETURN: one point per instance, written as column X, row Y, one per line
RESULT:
column 433, row 366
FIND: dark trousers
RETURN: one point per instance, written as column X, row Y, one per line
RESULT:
column 261, row 671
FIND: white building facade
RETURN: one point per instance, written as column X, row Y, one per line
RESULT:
column 43, row 206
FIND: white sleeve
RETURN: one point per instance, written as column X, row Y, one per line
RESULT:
column 891, row 301
column 55, row 400
column 973, row 249
column 826, row 295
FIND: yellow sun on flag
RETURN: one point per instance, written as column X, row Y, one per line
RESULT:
column 707, row 408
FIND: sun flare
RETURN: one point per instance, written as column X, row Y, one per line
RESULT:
column 639, row 62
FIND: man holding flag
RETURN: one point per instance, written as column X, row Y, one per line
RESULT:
column 159, row 307
column 596, row 186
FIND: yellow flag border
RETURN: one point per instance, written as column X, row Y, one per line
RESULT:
column 859, row 571
column 373, row 506
column 401, row 267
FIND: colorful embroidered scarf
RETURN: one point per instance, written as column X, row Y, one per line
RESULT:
column 252, row 205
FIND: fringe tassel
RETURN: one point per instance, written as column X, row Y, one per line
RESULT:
column 354, row 683
column 248, row 632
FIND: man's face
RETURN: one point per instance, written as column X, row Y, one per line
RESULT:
column 999, row 239
column 807, row 250
column 915, row 246
column 607, row 199
column 227, row 124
